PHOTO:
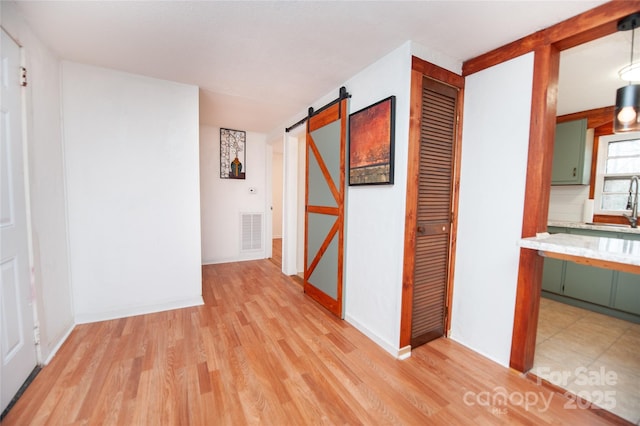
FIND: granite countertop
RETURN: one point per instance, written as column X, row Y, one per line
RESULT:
column 598, row 250
column 612, row 253
column 595, row 226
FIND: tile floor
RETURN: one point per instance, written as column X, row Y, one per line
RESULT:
column 594, row 356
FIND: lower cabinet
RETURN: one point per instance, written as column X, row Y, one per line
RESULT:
column 552, row 275
column 588, row 283
column 611, row 290
column 628, row 293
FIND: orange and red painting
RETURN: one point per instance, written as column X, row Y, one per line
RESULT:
column 371, row 135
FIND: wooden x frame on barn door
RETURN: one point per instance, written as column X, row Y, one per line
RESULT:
column 324, row 202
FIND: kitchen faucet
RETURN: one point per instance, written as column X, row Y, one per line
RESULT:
column 632, row 202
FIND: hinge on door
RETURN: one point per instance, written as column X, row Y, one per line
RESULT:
column 36, row 335
column 23, row 77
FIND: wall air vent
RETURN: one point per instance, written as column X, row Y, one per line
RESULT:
column 251, row 231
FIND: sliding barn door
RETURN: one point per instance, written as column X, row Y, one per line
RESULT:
column 324, row 215
column 434, row 211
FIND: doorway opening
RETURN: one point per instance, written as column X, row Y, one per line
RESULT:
column 586, row 316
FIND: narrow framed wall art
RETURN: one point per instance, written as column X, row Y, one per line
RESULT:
column 371, row 144
column 232, row 154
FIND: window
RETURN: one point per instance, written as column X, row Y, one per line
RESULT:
column 618, row 161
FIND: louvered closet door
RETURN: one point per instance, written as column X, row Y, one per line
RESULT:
column 437, row 136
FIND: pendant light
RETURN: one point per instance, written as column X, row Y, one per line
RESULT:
column 627, row 112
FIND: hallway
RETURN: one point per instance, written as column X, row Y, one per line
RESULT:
column 276, row 252
column 260, row 352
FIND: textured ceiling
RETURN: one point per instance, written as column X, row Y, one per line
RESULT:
column 260, row 64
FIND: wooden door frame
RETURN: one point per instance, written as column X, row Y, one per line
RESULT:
column 419, row 70
column 546, row 45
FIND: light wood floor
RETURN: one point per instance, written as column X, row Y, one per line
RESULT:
column 260, row 352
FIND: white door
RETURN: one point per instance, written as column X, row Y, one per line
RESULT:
column 16, row 313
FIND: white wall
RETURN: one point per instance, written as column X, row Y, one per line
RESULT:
column 375, row 214
column 294, row 187
column 47, row 189
column 131, row 149
column 491, row 206
column 224, row 199
column 290, row 225
column 276, row 200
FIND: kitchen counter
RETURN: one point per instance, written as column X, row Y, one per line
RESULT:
column 610, row 253
column 595, row 226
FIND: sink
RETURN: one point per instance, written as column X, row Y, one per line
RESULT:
column 613, row 225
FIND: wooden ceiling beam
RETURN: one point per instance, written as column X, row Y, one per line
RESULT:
column 595, row 117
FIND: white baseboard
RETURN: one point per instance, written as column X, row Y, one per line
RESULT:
column 245, row 258
column 397, row 353
column 137, row 310
column 455, row 338
column 58, row 345
column 405, row 352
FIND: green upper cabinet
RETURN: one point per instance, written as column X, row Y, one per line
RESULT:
column 572, row 154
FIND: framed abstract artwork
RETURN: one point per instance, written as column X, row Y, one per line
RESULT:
column 371, row 144
column 232, row 154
